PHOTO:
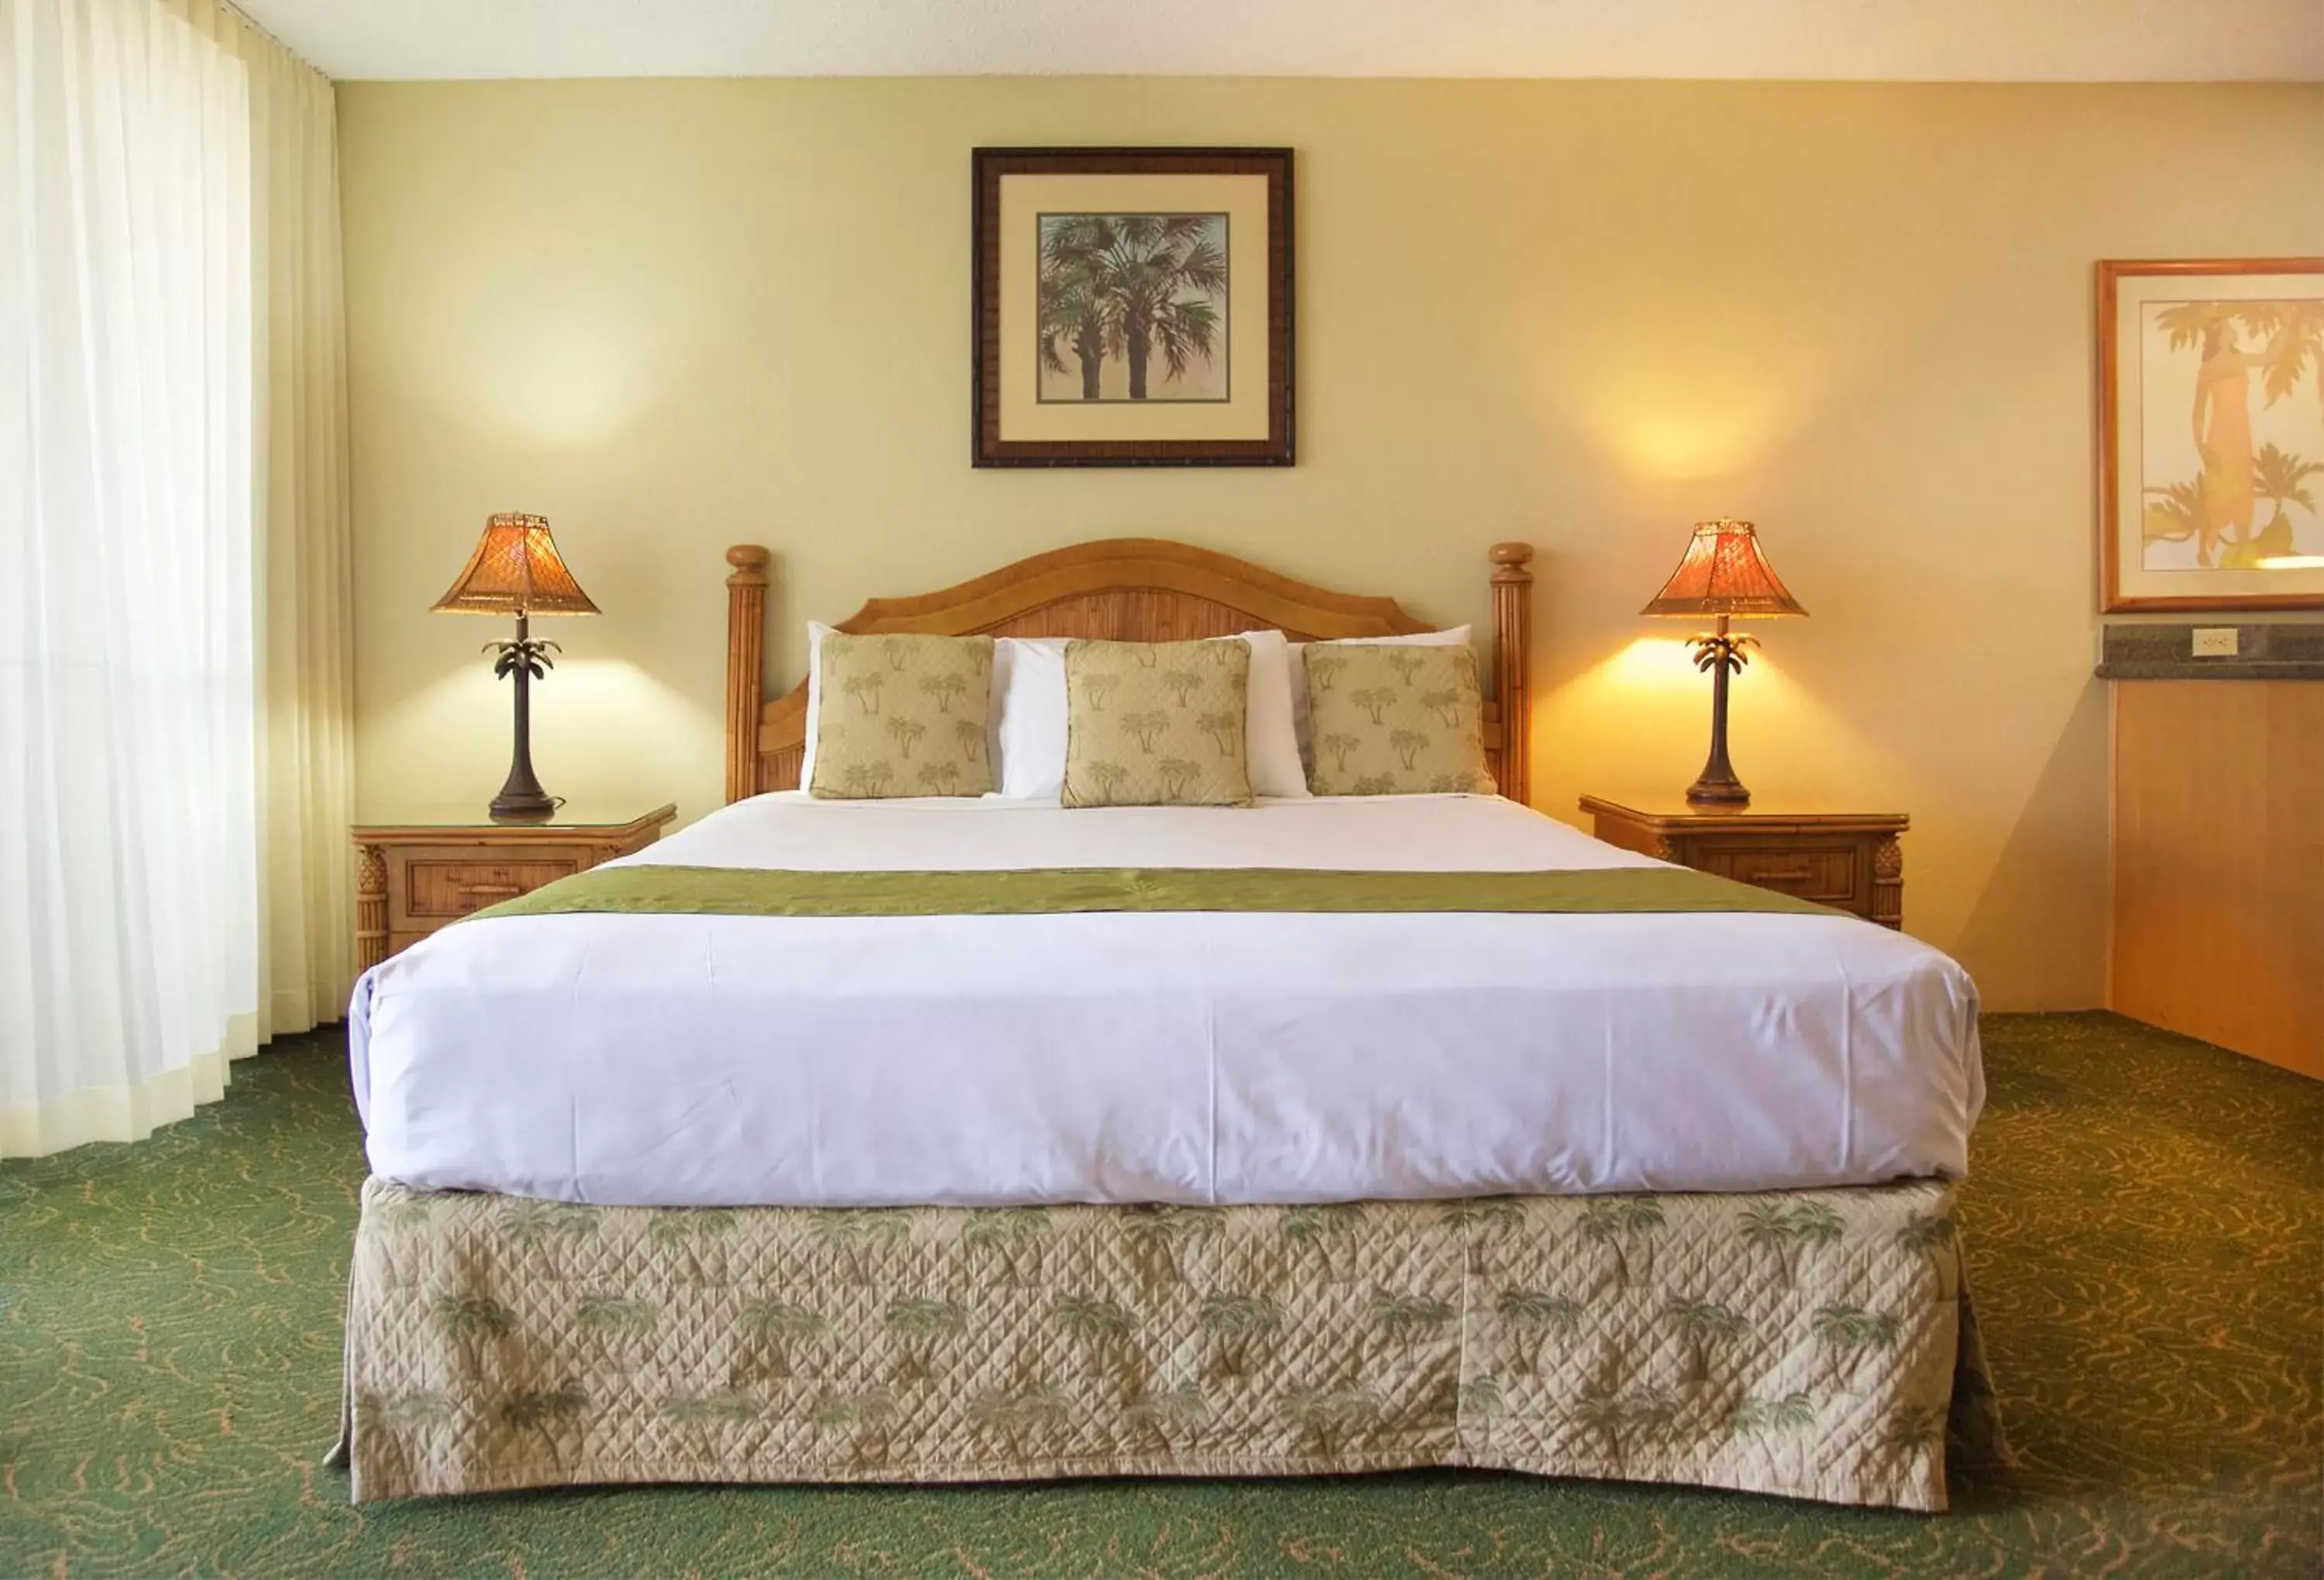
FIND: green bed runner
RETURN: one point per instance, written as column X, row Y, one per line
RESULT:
column 736, row 891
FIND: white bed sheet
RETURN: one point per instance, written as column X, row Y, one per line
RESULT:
column 732, row 1060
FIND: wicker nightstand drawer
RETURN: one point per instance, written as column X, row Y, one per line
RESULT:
column 412, row 878
column 446, row 888
column 1825, row 874
column 1848, row 860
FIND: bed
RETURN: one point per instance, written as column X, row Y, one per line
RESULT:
column 1199, row 1186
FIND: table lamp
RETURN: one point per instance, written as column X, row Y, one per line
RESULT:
column 1723, row 574
column 516, row 571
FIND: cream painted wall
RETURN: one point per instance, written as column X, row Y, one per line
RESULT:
column 677, row 315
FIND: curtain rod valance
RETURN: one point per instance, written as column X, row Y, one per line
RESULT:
column 210, row 17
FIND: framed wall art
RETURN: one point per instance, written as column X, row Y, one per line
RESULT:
column 1132, row 307
column 2212, row 434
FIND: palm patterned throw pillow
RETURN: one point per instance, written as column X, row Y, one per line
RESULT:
column 1390, row 720
column 902, row 716
column 1156, row 724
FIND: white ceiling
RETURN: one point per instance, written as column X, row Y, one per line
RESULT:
column 2040, row 40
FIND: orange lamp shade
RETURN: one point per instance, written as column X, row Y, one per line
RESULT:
column 1724, row 573
column 515, row 569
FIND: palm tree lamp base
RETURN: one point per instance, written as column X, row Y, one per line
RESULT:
column 523, row 804
column 525, row 660
column 1722, row 655
column 1709, row 792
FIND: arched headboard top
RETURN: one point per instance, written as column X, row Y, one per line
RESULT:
column 1005, row 597
column 1124, row 589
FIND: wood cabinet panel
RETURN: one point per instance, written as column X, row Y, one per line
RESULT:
column 2218, row 864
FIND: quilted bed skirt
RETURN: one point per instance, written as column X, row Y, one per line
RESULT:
column 1815, row 1344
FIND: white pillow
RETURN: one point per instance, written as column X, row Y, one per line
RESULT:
column 1458, row 637
column 815, row 635
column 1270, row 739
column 1028, row 716
column 1029, row 713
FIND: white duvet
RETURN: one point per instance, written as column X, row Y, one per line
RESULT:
column 732, row 1060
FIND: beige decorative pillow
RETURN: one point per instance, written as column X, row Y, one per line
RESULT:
column 902, row 716
column 1156, row 723
column 1394, row 720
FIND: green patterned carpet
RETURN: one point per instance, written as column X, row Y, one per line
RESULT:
column 2146, row 1238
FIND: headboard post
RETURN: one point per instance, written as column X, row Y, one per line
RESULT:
column 746, row 653
column 1512, row 665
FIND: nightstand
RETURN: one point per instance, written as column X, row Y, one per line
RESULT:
column 1849, row 860
column 412, row 877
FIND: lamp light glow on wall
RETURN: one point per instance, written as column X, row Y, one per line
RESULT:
column 1723, row 574
column 517, row 570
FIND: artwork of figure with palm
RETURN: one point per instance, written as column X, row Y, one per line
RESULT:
column 1116, row 290
column 2250, row 359
column 2223, row 438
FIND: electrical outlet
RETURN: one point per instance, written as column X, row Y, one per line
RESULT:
column 2215, row 642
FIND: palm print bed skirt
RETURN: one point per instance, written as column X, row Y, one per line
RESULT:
column 1816, row 1344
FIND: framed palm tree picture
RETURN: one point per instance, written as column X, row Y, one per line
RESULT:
column 1133, row 307
column 2212, row 434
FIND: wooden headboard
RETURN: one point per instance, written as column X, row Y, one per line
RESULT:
column 1124, row 589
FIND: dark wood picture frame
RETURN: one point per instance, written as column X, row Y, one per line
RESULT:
column 2111, row 598
column 988, row 448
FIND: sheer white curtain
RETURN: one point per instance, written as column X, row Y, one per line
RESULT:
column 142, row 506
column 302, row 533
